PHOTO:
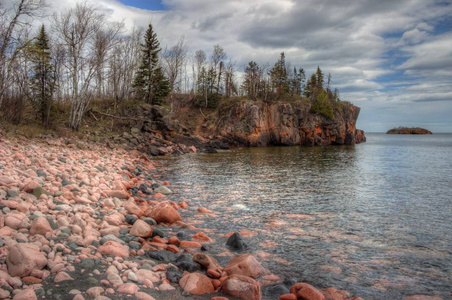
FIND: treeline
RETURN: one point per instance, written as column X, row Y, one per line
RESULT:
column 81, row 56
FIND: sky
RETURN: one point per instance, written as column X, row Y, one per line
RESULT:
column 392, row 58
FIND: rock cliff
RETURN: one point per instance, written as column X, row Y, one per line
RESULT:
column 251, row 123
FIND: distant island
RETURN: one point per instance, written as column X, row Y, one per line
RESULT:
column 408, row 130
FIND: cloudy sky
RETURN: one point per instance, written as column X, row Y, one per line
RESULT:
column 393, row 58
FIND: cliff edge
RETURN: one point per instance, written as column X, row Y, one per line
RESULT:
column 251, row 123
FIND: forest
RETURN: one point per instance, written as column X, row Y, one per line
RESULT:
column 81, row 57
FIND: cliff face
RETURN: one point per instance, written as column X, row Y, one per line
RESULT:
column 261, row 124
column 406, row 130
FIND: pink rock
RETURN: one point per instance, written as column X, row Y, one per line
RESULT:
column 121, row 194
column 95, row 291
column 41, row 226
column 335, row 294
column 62, row 276
column 166, row 287
column 246, row 265
column 196, row 283
column 163, row 213
column 306, row 291
column 4, row 294
column 141, row 229
column 113, row 248
column 78, row 297
column 114, row 279
column 242, row 287
column 27, row 294
column 30, row 186
column 144, row 274
column 115, row 219
column 16, row 220
column 133, row 209
column 23, row 258
column 143, row 296
column 128, row 288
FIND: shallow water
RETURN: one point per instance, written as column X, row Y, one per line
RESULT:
column 374, row 219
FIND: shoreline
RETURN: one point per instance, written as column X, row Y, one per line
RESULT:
column 83, row 216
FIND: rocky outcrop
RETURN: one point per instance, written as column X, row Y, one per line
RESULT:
column 406, row 130
column 253, row 123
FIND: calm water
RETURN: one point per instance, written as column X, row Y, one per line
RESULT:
column 374, row 219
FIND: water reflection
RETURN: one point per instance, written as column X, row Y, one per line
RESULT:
column 373, row 219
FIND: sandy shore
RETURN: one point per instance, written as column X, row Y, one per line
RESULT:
column 81, row 221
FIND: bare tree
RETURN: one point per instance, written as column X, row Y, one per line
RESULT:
column 200, row 59
column 217, row 58
column 76, row 30
column 19, row 16
column 104, row 41
column 173, row 60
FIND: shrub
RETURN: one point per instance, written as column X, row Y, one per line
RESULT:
column 322, row 105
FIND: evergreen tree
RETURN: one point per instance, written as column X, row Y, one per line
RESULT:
column 278, row 76
column 42, row 79
column 150, row 83
column 322, row 105
column 319, row 83
column 251, row 80
column 311, row 85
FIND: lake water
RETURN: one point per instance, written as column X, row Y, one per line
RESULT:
column 374, row 218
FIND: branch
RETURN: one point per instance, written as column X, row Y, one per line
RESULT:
column 122, row 118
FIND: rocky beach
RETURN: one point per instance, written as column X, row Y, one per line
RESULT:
column 82, row 221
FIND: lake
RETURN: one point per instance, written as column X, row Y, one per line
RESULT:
column 374, row 218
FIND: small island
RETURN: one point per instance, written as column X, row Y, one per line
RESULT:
column 408, row 130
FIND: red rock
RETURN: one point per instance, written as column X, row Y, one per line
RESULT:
column 242, row 287
column 62, row 276
column 246, row 265
column 28, row 294
column 196, row 283
column 216, row 283
column 30, row 186
column 414, row 297
column 23, row 258
column 163, row 213
column 113, row 248
column 183, row 204
column 306, row 291
column 189, row 244
column 204, row 210
column 141, row 229
column 120, row 194
column 41, row 226
column 128, row 288
column 288, row 297
column 201, row 236
column 172, row 248
column 166, row 287
column 158, row 239
column 16, row 220
column 174, row 240
column 31, row 279
column 207, row 261
column 335, row 294
column 219, row 298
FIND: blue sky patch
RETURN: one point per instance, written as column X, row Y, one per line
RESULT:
column 145, row 4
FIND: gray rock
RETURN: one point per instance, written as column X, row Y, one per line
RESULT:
column 37, row 192
column 87, row 263
column 163, row 190
column 150, row 221
column 12, row 193
column 158, row 232
column 65, row 182
column 110, row 237
column 131, row 219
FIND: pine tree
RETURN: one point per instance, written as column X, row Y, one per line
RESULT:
column 319, row 75
column 150, row 83
column 278, row 76
column 43, row 79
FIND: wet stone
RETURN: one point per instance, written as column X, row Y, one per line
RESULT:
column 131, row 219
column 173, row 275
column 65, row 182
column 235, row 242
column 158, row 232
column 164, row 255
column 134, row 245
column 91, row 281
column 110, row 237
column 150, row 221
column 87, row 263
column 275, row 290
column 182, row 236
